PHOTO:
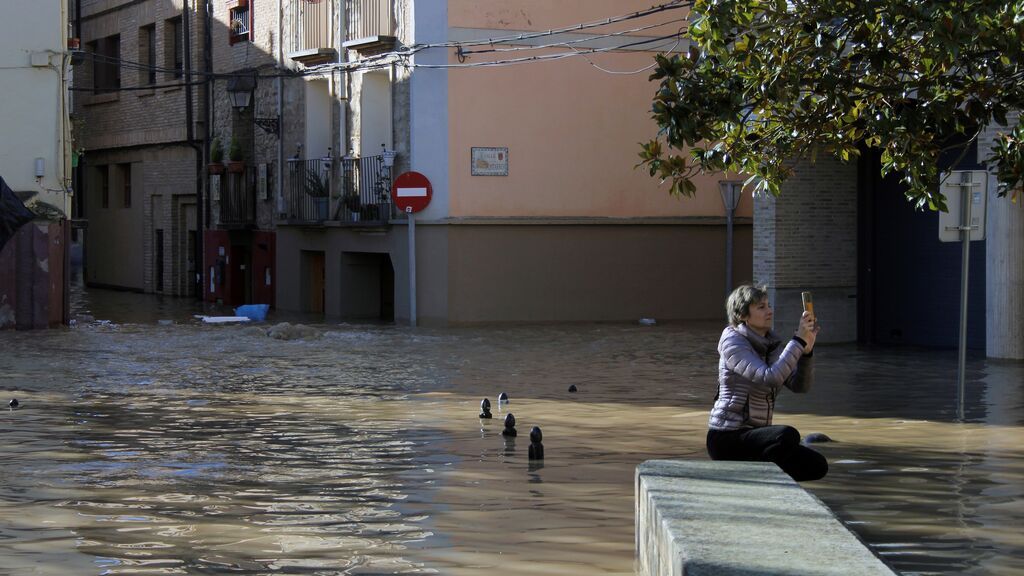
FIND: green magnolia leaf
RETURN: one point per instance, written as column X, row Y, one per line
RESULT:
column 774, row 81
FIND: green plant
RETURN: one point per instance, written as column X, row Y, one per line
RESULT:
column 235, row 151
column 316, row 185
column 765, row 85
column 216, row 151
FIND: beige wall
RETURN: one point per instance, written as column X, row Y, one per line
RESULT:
column 572, row 131
column 470, row 274
column 34, row 116
column 545, row 14
column 590, row 273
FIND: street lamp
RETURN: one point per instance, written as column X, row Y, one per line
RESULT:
column 240, row 91
column 731, row 192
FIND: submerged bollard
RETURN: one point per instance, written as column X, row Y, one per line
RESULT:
column 572, row 388
column 510, row 426
column 13, row 403
column 536, row 448
column 485, row 408
column 502, row 398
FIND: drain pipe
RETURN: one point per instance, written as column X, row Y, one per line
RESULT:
column 190, row 141
column 279, row 81
column 207, row 104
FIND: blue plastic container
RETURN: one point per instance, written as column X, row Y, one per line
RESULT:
column 254, row 312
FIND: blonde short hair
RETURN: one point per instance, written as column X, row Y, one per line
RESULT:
column 737, row 306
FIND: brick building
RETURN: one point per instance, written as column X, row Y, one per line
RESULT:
column 141, row 176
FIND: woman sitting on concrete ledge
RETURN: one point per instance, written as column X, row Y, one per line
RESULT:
column 753, row 366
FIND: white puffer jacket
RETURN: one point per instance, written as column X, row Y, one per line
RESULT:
column 752, row 369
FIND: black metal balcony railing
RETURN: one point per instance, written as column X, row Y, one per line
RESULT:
column 237, row 200
column 309, row 190
column 369, row 18
column 366, row 190
column 310, row 25
column 363, row 195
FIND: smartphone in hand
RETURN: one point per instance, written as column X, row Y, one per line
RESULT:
column 808, row 301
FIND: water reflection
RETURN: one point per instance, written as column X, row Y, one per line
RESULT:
column 175, row 449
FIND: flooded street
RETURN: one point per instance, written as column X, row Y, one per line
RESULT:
column 145, row 447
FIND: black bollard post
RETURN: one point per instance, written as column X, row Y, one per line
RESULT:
column 572, row 388
column 485, row 408
column 13, row 403
column 510, row 426
column 502, row 398
column 536, row 448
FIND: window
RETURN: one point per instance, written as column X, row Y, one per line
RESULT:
column 106, row 64
column 240, row 18
column 125, row 173
column 174, row 52
column 104, row 186
column 147, row 55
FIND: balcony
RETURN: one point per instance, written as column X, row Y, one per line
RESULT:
column 371, row 25
column 237, row 202
column 310, row 28
column 363, row 196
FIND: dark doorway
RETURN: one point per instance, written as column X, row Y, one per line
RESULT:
column 909, row 280
column 367, row 286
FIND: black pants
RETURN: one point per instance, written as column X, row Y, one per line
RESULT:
column 778, row 444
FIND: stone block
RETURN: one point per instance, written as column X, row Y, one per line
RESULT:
column 702, row 518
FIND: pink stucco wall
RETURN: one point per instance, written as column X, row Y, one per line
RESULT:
column 572, row 130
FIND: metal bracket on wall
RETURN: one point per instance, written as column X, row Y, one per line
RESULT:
column 269, row 125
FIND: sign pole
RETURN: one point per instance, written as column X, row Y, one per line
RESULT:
column 411, row 192
column 965, row 258
column 412, row 267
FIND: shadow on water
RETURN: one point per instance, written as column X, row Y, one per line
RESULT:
column 143, row 447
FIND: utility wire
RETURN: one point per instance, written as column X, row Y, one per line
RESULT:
column 569, row 43
column 673, row 5
column 401, row 57
column 543, row 57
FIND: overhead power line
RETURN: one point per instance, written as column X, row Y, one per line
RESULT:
column 402, row 56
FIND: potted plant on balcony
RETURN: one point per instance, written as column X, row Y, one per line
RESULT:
column 318, row 187
column 236, row 160
column 216, row 165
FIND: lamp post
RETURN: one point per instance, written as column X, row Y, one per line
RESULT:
column 240, row 89
column 731, row 192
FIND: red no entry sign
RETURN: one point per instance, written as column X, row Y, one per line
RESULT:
column 411, row 191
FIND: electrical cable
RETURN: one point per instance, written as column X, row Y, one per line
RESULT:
column 401, row 57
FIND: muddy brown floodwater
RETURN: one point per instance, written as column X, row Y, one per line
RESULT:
column 152, row 448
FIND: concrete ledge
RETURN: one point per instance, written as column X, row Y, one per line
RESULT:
column 703, row 518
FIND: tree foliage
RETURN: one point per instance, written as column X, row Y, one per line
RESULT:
column 767, row 84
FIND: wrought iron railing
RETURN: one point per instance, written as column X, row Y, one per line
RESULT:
column 240, row 22
column 363, row 194
column 308, row 196
column 310, row 25
column 368, row 18
column 237, row 200
column 366, row 190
